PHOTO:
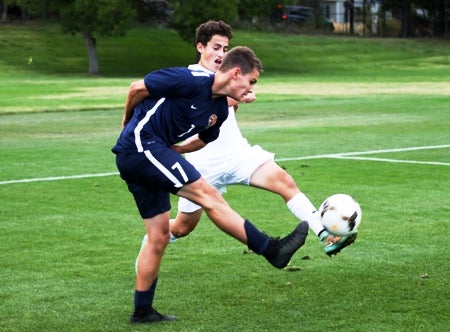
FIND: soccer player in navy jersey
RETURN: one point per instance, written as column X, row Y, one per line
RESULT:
column 180, row 103
column 231, row 159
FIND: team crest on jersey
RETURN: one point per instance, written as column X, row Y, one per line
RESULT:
column 212, row 121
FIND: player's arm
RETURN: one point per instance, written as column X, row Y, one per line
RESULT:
column 193, row 143
column 136, row 93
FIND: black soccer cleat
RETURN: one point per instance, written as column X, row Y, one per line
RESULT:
column 149, row 315
column 280, row 251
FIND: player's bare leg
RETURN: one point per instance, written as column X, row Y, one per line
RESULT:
column 215, row 207
column 182, row 225
column 148, row 264
column 277, row 251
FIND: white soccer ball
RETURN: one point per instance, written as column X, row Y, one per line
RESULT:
column 340, row 214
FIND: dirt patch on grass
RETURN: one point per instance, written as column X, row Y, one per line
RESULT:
column 90, row 93
column 306, row 89
column 350, row 89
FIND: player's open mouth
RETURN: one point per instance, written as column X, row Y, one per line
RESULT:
column 219, row 62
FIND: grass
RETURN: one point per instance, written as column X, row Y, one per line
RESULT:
column 68, row 246
column 41, row 85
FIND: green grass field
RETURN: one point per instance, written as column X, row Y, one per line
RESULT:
column 367, row 117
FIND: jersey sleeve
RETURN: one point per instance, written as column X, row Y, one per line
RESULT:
column 209, row 134
column 169, row 82
column 212, row 133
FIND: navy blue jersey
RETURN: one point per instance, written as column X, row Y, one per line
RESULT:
column 180, row 105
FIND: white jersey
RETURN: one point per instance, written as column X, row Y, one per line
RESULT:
column 229, row 159
column 225, row 146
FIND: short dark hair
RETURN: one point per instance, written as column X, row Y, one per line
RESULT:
column 242, row 57
column 207, row 30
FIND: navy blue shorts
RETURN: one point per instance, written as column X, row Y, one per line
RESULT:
column 152, row 175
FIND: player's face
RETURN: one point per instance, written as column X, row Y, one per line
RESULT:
column 212, row 54
column 242, row 85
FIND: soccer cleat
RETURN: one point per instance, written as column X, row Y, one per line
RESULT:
column 149, row 315
column 334, row 245
column 281, row 250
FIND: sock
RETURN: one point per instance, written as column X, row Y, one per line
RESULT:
column 144, row 299
column 256, row 240
column 303, row 209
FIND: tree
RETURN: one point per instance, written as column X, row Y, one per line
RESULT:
column 248, row 10
column 188, row 14
column 92, row 17
column 11, row 10
column 436, row 16
column 88, row 17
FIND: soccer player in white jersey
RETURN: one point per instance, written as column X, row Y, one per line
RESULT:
column 163, row 109
column 230, row 159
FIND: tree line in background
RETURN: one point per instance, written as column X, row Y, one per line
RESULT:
column 419, row 17
column 97, row 18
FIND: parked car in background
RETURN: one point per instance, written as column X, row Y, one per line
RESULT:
column 302, row 14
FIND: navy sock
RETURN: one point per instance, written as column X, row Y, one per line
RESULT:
column 144, row 299
column 257, row 241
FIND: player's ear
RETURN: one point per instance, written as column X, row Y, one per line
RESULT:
column 236, row 72
column 199, row 47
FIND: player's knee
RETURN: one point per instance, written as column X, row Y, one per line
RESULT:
column 213, row 200
column 158, row 245
column 182, row 231
column 185, row 223
column 209, row 197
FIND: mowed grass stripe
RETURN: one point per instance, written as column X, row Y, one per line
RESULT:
column 346, row 155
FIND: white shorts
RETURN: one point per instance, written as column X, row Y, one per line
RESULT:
column 237, row 169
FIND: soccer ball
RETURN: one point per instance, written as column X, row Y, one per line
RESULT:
column 340, row 214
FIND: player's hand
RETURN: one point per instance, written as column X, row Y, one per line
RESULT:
column 249, row 97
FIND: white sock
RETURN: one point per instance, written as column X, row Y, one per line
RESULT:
column 303, row 209
column 173, row 238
